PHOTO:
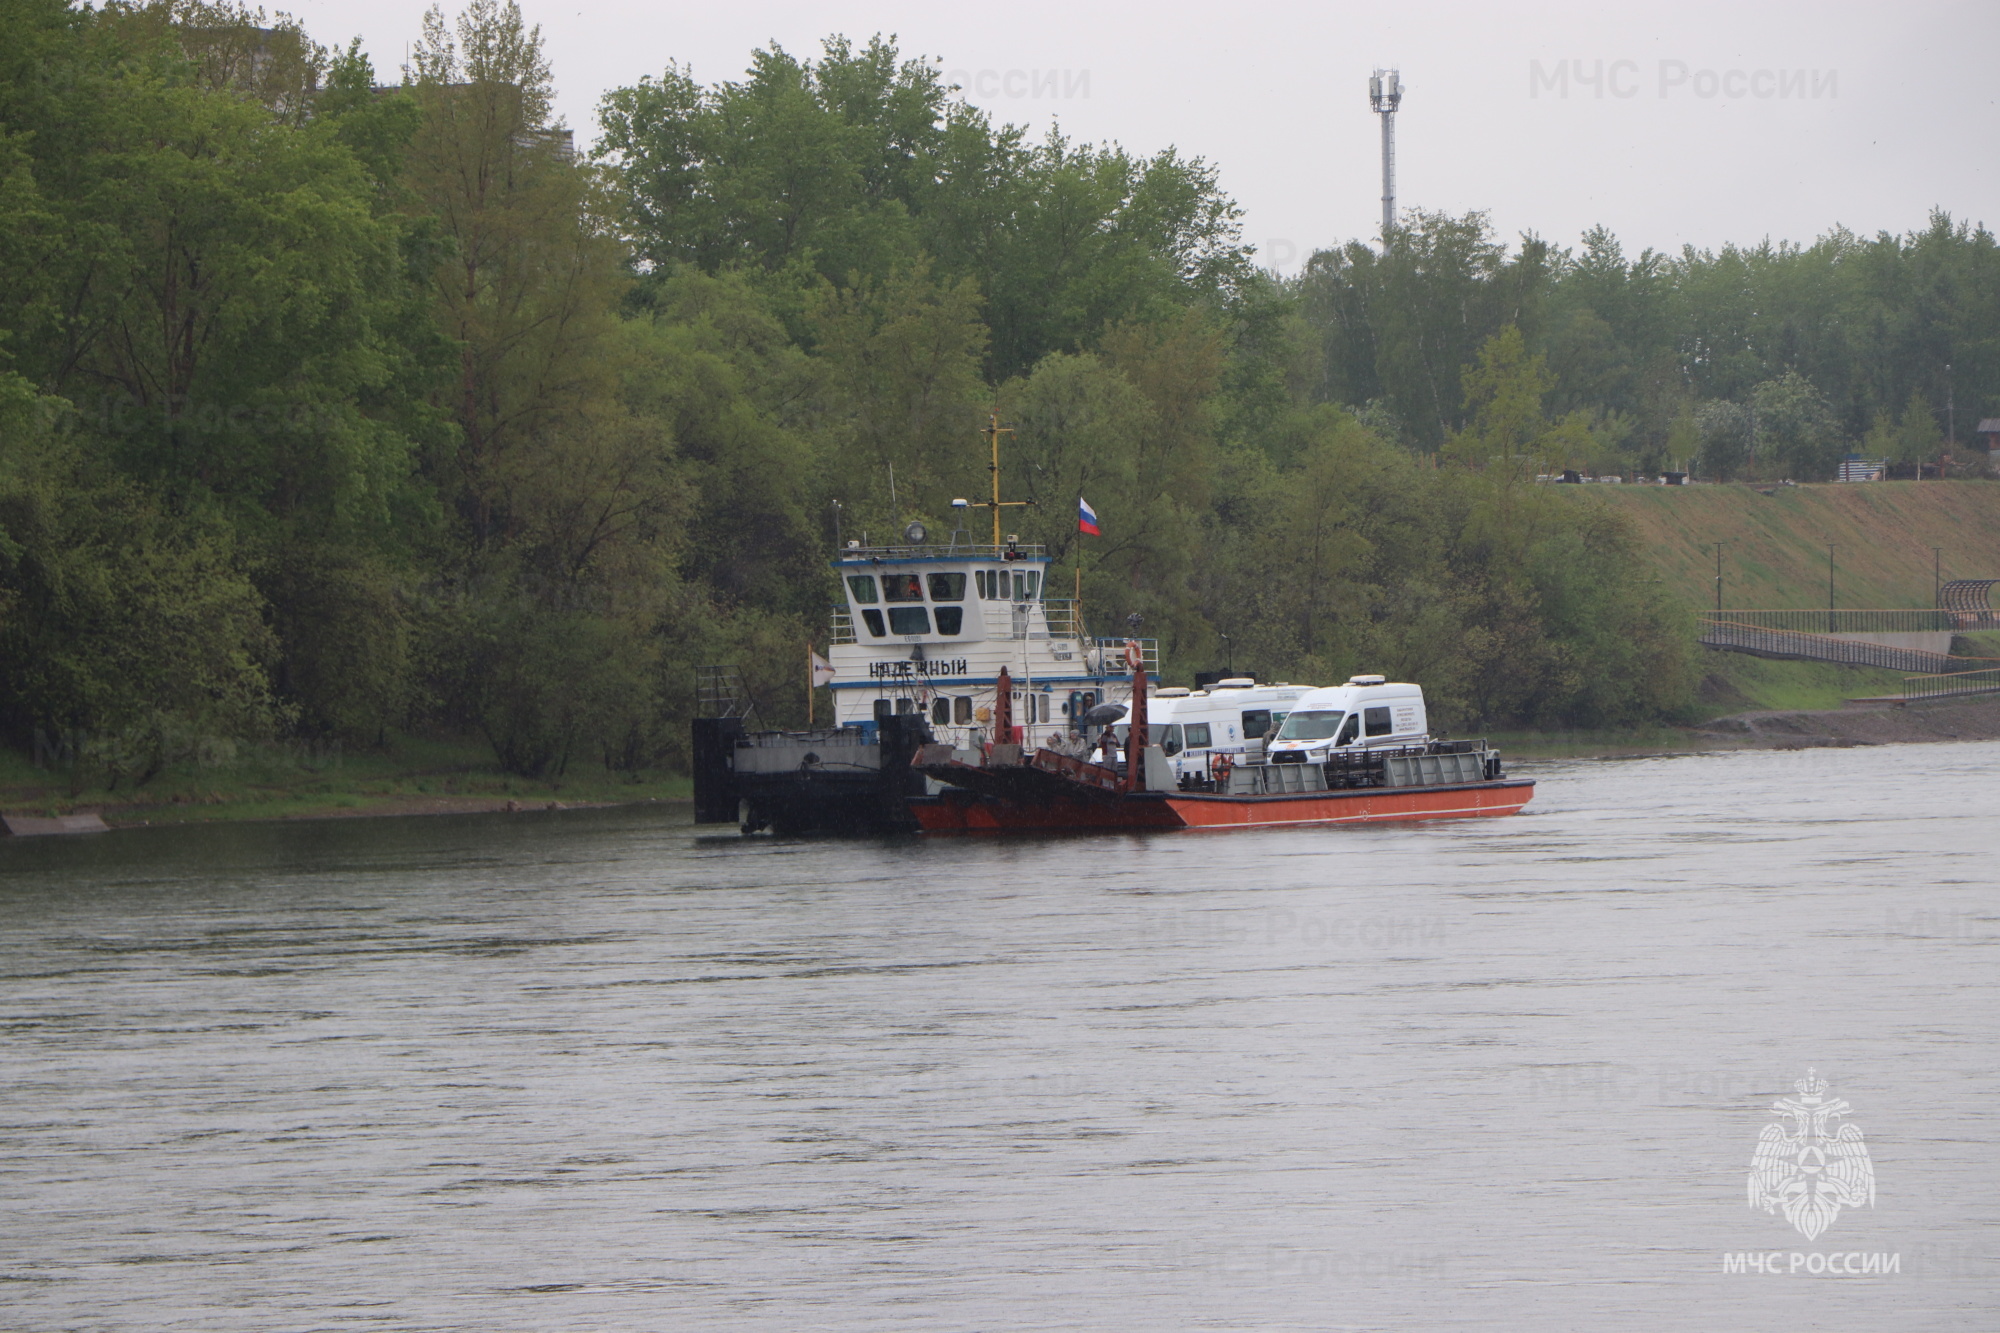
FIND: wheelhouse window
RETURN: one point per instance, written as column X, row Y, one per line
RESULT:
column 909, row 620
column 902, row 588
column 862, row 586
column 873, row 620
column 947, row 587
column 1311, row 725
column 1020, row 585
column 950, row 619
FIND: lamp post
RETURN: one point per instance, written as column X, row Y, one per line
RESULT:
column 1829, row 587
column 1718, row 578
column 1937, row 577
column 1950, row 415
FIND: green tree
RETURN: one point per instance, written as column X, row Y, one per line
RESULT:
column 1796, row 433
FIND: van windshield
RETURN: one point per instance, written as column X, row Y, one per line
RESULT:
column 1311, row 725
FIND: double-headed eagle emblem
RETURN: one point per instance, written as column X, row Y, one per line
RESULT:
column 1813, row 1170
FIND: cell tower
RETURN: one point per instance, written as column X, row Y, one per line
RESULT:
column 1385, row 94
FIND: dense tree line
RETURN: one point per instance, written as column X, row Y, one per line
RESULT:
column 1767, row 362
column 336, row 409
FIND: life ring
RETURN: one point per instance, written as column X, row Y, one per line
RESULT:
column 1218, row 768
column 1132, row 654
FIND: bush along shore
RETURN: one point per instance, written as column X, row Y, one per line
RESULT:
column 231, row 781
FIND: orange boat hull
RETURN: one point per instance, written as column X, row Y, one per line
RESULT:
column 963, row 812
column 1364, row 805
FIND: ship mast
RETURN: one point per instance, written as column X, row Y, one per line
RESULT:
column 994, row 430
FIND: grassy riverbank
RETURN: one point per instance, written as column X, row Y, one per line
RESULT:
column 1737, row 685
column 410, row 775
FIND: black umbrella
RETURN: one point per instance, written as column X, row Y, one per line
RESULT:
column 1104, row 715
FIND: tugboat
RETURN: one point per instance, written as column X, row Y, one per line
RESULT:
column 955, row 647
column 964, row 696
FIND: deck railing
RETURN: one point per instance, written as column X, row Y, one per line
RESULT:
column 947, row 550
column 1114, row 656
column 1059, row 621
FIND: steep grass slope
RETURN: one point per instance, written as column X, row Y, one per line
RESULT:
column 1775, row 545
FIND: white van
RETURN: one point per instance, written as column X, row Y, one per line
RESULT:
column 1229, row 717
column 1367, row 713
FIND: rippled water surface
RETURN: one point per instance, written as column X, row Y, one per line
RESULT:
column 596, row 1071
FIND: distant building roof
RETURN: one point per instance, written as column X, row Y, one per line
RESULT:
column 1990, row 426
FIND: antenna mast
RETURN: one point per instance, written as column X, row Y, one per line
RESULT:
column 1385, row 94
column 994, row 430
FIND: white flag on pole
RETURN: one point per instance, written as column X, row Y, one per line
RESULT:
column 822, row 670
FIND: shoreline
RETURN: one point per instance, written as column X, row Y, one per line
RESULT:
column 1916, row 722
column 1759, row 729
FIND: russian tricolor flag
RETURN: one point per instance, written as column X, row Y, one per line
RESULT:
column 1086, row 518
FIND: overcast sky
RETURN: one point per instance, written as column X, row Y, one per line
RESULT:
column 1683, row 124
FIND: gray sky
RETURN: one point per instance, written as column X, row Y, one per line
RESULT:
column 1683, row 124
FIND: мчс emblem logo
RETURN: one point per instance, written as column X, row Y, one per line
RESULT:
column 1813, row 1170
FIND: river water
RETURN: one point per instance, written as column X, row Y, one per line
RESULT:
column 594, row 1070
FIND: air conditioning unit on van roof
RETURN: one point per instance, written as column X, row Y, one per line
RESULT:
column 1367, row 680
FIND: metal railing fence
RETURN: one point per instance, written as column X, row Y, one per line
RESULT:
column 1984, row 681
column 1801, row 646
column 1822, row 621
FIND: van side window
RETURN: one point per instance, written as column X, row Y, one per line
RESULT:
column 1197, row 736
column 1378, row 722
column 1256, row 721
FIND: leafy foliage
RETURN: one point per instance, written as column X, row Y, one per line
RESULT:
column 335, row 410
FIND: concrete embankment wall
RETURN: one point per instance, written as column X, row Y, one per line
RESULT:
column 1923, row 643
